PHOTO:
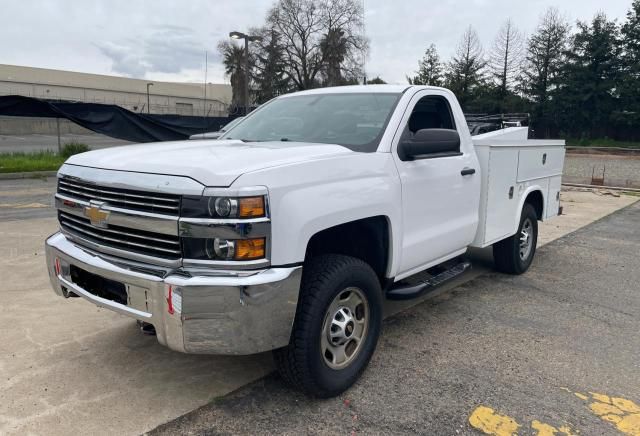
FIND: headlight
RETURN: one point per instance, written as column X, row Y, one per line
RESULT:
column 223, row 207
column 224, row 249
column 220, row 248
column 232, row 227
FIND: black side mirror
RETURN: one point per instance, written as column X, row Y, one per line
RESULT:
column 430, row 143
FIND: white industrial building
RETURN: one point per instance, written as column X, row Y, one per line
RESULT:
column 164, row 97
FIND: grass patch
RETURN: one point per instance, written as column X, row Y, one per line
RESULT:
column 26, row 162
column 39, row 161
column 632, row 193
column 604, row 142
column 71, row 148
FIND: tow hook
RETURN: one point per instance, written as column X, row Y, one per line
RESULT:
column 146, row 328
column 67, row 293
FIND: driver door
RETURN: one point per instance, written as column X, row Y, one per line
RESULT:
column 440, row 195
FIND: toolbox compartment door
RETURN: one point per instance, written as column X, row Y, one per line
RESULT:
column 553, row 197
column 538, row 162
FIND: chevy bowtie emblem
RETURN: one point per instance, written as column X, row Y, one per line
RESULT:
column 96, row 215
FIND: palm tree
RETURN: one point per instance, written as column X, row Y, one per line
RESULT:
column 233, row 60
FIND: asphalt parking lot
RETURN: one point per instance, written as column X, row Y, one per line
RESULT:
column 555, row 351
column 497, row 350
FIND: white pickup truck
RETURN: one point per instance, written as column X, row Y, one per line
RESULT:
column 290, row 232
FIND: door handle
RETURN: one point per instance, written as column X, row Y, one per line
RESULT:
column 468, row 171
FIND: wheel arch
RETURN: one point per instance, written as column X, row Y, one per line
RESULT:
column 533, row 195
column 536, row 199
column 368, row 239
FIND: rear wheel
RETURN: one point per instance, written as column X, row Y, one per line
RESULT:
column 515, row 254
column 336, row 327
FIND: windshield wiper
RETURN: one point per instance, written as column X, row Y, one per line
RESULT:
column 243, row 140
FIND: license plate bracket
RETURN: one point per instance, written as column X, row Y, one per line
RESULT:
column 98, row 285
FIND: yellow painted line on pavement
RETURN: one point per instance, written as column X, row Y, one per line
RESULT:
column 623, row 413
column 543, row 429
column 488, row 421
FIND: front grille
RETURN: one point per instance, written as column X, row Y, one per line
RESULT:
column 130, row 240
column 166, row 204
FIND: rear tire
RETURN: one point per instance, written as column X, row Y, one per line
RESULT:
column 515, row 254
column 336, row 328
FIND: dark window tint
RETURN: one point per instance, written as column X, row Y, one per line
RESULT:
column 432, row 112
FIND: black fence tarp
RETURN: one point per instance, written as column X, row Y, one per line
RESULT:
column 112, row 120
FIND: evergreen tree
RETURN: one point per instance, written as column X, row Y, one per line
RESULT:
column 376, row 81
column 429, row 69
column 270, row 78
column 629, row 115
column 544, row 59
column 466, row 69
column 334, row 47
column 587, row 96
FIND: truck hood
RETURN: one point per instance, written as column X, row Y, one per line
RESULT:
column 212, row 163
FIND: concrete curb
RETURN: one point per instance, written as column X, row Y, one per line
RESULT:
column 27, row 175
column 601, row 187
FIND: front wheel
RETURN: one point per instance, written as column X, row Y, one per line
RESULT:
column 515, row 254
column 336, row 327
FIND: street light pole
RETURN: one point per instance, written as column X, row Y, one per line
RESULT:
column 148, row 99
column 247, row 40
column 246, row 76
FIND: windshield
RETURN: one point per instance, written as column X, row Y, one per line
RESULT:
column 230, row 124
column 354, row 120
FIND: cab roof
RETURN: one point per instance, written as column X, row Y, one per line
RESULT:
column 354, row 89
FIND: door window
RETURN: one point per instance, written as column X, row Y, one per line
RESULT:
column 431, row 112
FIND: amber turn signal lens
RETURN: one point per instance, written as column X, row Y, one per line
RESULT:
column 249, row 249
column 251, row 207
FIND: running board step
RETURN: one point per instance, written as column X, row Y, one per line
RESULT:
column 414, row 291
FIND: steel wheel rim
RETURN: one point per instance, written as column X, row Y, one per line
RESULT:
column 526, row 239
column 345, row 328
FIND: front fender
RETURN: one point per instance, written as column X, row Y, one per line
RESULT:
column 308, row 197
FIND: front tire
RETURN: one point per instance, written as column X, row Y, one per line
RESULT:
column 336, row 328
column 515, row 254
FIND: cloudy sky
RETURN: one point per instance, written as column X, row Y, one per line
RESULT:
column 166, row 40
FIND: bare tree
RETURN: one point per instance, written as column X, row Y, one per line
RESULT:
column 320, row 38
column 466, row 69
column 506, row 57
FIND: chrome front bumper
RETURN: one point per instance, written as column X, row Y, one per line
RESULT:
column 230, row 313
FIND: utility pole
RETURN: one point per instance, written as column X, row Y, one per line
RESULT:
column 364, row 53
column 58, row 129
column 204, row 104
column 246, row 76
column 148, row 98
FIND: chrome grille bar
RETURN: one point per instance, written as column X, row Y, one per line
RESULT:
column 134, row 200
column 146, row 243
column 121, row 233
